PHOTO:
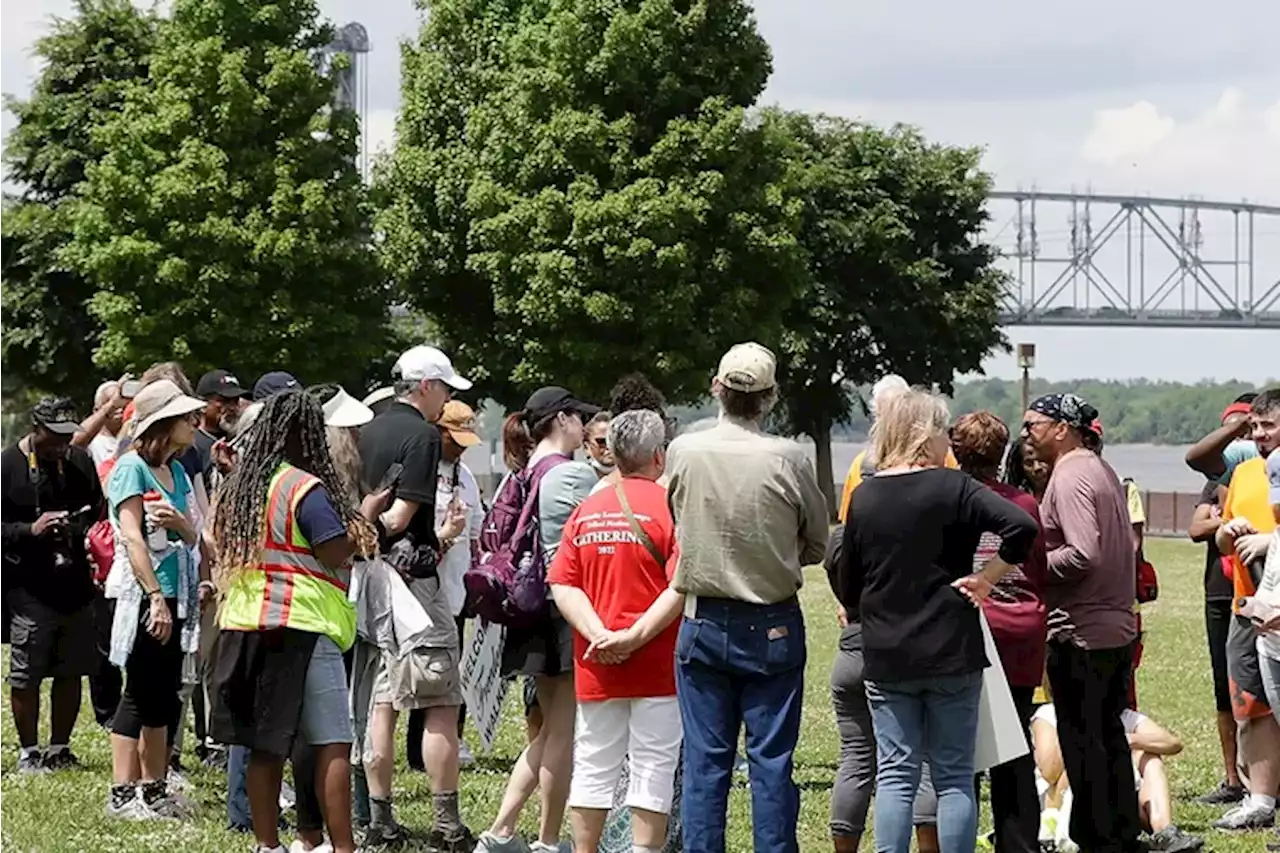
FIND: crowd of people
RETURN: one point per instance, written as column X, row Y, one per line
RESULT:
column 298, row 567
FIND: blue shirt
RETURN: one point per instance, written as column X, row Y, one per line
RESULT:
column 318, row 519
column 132, row 477
column 1240, row 450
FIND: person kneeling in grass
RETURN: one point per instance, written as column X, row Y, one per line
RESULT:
column 1150, row 743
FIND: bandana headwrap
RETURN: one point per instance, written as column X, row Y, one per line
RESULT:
column 1236, row 409
column 1068, row 409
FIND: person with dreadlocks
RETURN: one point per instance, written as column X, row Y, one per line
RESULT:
column 284, row 537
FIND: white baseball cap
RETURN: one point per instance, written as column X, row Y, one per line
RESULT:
column 422, row 363
column 748, row 368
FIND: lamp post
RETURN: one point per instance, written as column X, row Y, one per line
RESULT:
column 1026, row 361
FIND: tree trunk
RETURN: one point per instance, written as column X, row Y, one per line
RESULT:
column 822, row 457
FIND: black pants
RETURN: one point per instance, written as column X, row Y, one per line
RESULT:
column 107, row 684
column 153, row 678
column 418, row 718
column 1217, row 625
column 1090, row 690
column 1015, row 805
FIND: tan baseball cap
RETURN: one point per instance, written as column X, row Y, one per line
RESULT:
column 459, row 420
column 748, row 368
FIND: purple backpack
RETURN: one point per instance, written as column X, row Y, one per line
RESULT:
column 507, row 583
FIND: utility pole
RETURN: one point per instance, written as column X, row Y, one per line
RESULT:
column 1026, row 361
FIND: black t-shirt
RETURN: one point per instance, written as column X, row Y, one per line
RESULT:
column 30, row 561
column 907, row 538
column 204, row 449
column 401, row 434
column 191, row 462
column 1217, row 586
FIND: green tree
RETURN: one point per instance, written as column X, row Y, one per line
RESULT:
column 899, row 278
column 578, row 191
column 227, row 224
column 88, row 62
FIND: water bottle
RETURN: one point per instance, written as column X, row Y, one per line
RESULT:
column 157, row 536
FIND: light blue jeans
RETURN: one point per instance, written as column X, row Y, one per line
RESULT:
column 934, row 719
column 1270, row 668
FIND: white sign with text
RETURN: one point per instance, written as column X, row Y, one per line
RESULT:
column 483, row 686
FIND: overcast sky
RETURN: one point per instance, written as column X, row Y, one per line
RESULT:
column 1159, row 97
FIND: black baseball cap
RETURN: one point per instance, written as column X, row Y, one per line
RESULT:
column 56, row 414
column 274, row 383
column 552, row 400
column 219, row 383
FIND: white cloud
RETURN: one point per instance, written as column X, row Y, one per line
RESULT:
column 1122, row 134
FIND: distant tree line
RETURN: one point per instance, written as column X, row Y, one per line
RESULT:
column 1133, row 411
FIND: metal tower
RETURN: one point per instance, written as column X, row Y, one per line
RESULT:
column 351, row 87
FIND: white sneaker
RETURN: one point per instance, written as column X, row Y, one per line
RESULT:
column 288, row 798
column 175, row 781
column 133, row 809
column 488, row 843
column 299, row 847
column 465, row 757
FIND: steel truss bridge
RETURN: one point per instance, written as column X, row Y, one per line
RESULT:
column 1079, row 259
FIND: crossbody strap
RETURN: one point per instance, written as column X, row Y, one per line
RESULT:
column 635, row 525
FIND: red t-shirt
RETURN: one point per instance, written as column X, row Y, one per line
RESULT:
column 600, row 555
column 1016, row 607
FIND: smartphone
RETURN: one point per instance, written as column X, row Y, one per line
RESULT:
column 391, row 478
column 130, row 389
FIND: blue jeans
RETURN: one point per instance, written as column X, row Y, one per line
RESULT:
column 934, row 719
column 237, row 790
column 740, row 664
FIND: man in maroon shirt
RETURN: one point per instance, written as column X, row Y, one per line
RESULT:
column 1016, row 612
column 1092, row 578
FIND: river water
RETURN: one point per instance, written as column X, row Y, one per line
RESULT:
column 1155, row 467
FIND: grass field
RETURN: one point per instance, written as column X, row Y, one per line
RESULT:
column 65, row 812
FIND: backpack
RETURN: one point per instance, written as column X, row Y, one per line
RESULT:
column 507, row 583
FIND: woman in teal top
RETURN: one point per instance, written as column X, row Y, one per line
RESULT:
column 157, row 614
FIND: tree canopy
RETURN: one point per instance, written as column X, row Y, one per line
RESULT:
column 577, row 191
column 226, row 223
column 898, row 276
column 88, row 62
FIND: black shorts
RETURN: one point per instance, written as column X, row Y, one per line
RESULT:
column 47, row 643
column 543, row 649
column 1248, row 696
column 1217, row 624
column 257, row 687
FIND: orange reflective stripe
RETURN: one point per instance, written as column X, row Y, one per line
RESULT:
column 285, row 569
column 277, row 596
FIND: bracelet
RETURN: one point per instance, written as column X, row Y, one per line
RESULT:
column 209, row 585
column 155, row 592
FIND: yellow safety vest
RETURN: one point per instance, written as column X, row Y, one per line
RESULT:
column 291, row 588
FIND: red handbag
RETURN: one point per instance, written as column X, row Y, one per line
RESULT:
column 101, row 544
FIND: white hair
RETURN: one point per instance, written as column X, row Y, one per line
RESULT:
column 635, row 437
column 887, row 386
column 104, row 392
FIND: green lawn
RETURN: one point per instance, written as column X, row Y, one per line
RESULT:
column 65, row 812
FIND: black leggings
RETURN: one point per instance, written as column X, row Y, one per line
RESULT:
column 153, row 677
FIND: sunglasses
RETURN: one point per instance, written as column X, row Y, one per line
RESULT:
column 1028, row 426
column 602, row 443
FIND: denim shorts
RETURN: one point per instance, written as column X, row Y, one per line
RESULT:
column 326, row 717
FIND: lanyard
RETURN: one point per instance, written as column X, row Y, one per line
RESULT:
column 33, row 468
